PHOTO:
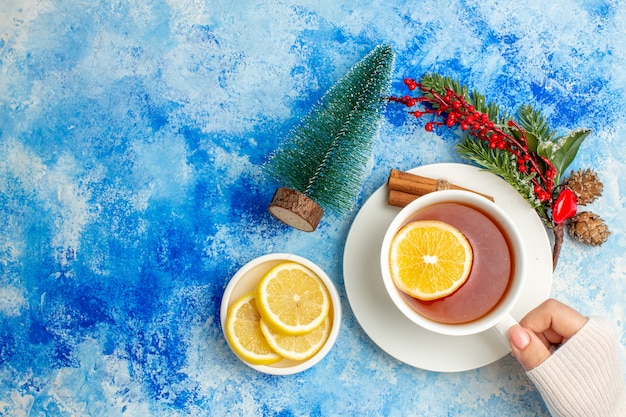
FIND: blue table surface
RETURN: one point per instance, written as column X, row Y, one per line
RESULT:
column 132, row 136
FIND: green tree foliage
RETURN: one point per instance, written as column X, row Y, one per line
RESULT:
column 326, row 156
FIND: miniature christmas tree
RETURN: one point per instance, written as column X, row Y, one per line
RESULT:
column 322, row 164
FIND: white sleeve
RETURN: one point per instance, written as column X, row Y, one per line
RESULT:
column 584, row 377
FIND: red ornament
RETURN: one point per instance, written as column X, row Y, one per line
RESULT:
column 565, row 206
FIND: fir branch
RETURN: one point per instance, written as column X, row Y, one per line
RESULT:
column 502, row 165
column 526, row 154
column 534, row 123
column 525, row 169
column 440, row 84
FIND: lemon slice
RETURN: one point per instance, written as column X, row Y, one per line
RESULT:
column 243, row 332
column 299, row 347
column 429, row 259
column 292, row 299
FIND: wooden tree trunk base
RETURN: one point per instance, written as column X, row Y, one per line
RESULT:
column 296, row 209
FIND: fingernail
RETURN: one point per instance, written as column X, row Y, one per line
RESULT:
column 519, row 337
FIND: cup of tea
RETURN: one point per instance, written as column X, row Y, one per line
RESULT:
column 496, row 278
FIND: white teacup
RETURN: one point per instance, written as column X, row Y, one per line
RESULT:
column 500, row 316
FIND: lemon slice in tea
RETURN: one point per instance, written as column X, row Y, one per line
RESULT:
column 429, row 259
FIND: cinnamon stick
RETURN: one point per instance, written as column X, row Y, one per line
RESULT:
column 400, row 199
column 405, row 187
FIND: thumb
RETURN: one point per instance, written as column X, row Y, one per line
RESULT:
column 527, row 348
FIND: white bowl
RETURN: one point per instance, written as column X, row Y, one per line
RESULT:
column 246, row 280
column 499, row 317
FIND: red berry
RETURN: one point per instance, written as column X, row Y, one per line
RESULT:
column 429, row 126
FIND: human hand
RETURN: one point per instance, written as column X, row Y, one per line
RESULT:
column 542, row 330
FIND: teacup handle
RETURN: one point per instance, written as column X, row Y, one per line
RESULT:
column 503, row 327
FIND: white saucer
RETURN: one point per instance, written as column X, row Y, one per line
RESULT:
column 389, row 328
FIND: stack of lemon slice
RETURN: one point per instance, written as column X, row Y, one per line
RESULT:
column 288, row 316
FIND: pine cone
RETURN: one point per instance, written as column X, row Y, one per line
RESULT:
column 586, row 185
column 588, row 228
